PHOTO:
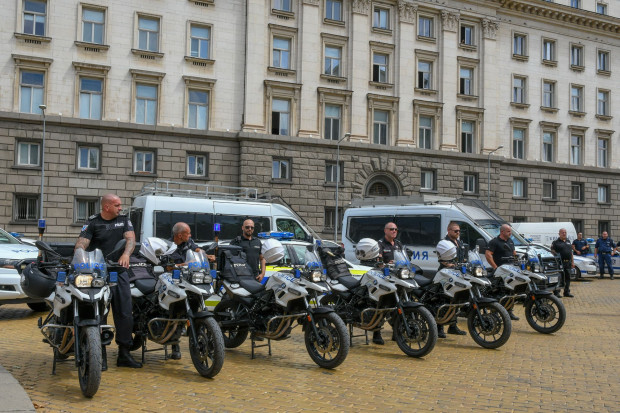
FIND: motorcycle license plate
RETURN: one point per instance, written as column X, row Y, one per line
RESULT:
column 553, row 279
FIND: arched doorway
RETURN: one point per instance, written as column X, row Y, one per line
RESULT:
column 382, row 185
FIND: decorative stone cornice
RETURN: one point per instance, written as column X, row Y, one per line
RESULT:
column 361, row 6
column 407, row 11
column 450, row 20
column 489, row 29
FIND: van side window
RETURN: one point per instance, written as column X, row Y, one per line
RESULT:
column 423, row 230
column 367, row 227
column 290, row 225
column 135, row 216
column 231, row 225
column 201, row 225
column 469, row 234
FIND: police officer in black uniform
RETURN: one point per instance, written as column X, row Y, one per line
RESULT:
column 604, row 248
column 252, row 248
column 103, row 231
column 564, row 247
column 501, row 249
column 580, row 245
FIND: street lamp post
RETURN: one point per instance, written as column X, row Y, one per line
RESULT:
column 41, row 219
column 489, row 174
column 346, row 135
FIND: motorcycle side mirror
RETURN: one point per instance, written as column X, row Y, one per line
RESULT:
column 482, row 245
column 158, row 270
column 409, row 252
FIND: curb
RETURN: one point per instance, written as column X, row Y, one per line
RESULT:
column 13, row 397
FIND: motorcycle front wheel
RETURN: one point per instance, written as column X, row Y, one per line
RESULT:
column 89, row 367
column 226, row 311
column 492, row 328
column 423, row 331
column 331, row 346
column 207, row 351
column 546, row 314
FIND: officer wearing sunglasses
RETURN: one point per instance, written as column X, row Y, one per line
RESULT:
column 252, row 248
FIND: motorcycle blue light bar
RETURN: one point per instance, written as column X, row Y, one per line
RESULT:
column 113, row 277
column 276, row 235
column 297, row 274
column 176, row 274
column 217, row 227
column 463, row 269
column 61, row 276
column 386, row 271
column 214, row 274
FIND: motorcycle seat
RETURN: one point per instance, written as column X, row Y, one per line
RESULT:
column 251, row 285
column 422, row 280
column 349, row 281
column 145, row 285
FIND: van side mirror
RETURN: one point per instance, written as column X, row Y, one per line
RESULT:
column 482, row 245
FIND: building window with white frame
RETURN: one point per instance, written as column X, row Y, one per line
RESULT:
column 519, row 44
column 425, row 131
column 428, row 181
column 576, row 98
column 200, row 41
column 28, row 153
column 332, row 172
column 333, row 58
column 26, row 207
column 466, row 81
column 148, row 33
column 548, row 50
column 31, row 91
column 380, row 67
column 576, row 4
column 93, row 25
column 35, row 15
column 333, row 120
column 470, row 183
column 381, row 127
column 576, row 191
column 282, row 52
column 197, row 165
column 576, row 55
column 280, row 116
column 602, row 61
column 198, row 109
column 381, row 18
column 281, row 169
column 519, row 89
column 602, row 153
column 549, row 189
column 467, row 35
column 601, row 8
column 602, row 103
column 518, row 143
column 88, row 158
column 548, row 95
column 144, row 162
column 425, row 27
column 146, row 104
column 467, row 137
column 333, row 10
column 425, row 75
column 576, row 149
column 603, row 194
column 283, row 5
column 547, row 146
column 91, row 97
column 519, row 188
column 330, row 218
column 84, row 208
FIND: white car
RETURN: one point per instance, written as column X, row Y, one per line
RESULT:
column 12, row 253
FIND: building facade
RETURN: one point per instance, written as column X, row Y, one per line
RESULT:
column 513, row 100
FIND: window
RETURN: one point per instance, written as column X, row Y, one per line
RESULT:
column 603, row 194
column 26, row 207
column 197, row 165
column 28, row 153
column 380, row 67
column 333, row 57
column 576, row 98
column 519, row 44
column 548, row 96
column 602, row 61
column 467, row 35
column 576, row 55
column 88, row 158
column 381, row 18
column 548, row 50
column 198, row 109
column 548, row 143
column 144, row 162
column 576, row 191
column 35, row 13
column 84, row 208
column 427, row 180
column 517, row 219
column 519, row 89
column 148, row 33
column 576, row 149
column 280, row 117
column 333, row 119
column 91, row 97
column 466, row 81
column 284, row 5
column 470, row 183
column 93, row 25
column 426, row 132
column 518, row 143
column 467, row 137
column 332, row 173
column 602, row 103
column 549, row 189
column 381, row 126
column 601, row 8
column 146, row 104
column 31, row 91
column 333, row 10
column 281, row 169
column 200, row 41
column 602, row 153
column 603, row 226
column 281, row 53
column 425, row 75
column 575, row 4
column 578, row 224
column 425, row 27
column 330, row 214
column 519, row 188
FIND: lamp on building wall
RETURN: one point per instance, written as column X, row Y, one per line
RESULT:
column 41, row 219
column 489, row 175
column 336, row 220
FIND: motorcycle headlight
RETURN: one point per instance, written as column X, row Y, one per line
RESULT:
column 83, row 281
column 198, row 278
column 98, row 282
column 404, row 273
column 315, row 276
column 478, row 271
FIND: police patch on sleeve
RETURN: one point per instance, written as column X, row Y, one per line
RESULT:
column 84, row 227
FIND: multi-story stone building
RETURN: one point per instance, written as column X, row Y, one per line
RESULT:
column 258, row 93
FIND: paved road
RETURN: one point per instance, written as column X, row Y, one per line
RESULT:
column 577, row 369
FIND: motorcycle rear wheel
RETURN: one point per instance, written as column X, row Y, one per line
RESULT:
column 208, row 352
column 226, row 310
column 546, row 314
column 331, row 347
column 423, row 332
column 89, row 369
column 493, row 331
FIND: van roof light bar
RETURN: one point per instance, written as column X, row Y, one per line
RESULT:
column 276, row 235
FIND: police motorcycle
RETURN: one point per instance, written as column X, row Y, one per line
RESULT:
column 163, row 304
column 269, row 311
column 456, row 291
column 78, row 291
column 517, row 282
column 367, row 302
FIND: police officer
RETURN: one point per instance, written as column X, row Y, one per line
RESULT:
column 563, row 247
column 604, row 247
column 501, row 249
column 103, row 231
column 580, row 245
column 252, row 248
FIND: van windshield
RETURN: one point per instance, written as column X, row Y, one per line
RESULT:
column 492, row 228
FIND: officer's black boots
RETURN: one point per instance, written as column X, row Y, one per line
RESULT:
column 454, row 329
column 377, row 339
column 440, row 332
column 126, row 360
column 176, row 352
column 513, row 316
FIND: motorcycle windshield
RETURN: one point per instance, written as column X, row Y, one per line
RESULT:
column 89, row 262
column 312, row 261
column 401, row 260
column 197, row 261
column 474, row 257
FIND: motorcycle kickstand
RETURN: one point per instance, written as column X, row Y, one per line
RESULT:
column 54, row 362
column 254, row 345
column 143, row 349
column 350, row 334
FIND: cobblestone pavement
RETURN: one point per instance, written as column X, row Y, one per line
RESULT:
column 576, row 369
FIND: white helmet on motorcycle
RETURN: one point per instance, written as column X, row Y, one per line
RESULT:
column 154, row 247
column 446, row 250
column 272, row 250
column 367, row 249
